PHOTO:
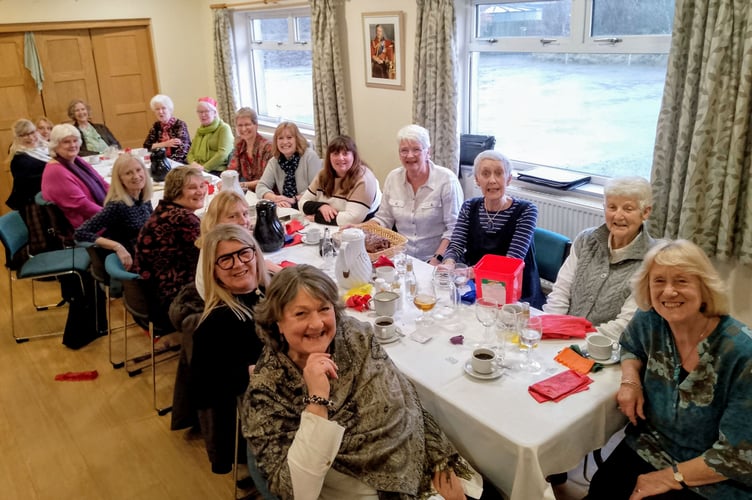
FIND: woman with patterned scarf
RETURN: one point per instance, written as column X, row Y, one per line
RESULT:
column 328, row 415
column 252, row 151
column 212, row 143
column 168, row 132
column 291, row 169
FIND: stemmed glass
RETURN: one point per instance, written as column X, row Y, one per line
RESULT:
column 425, row 298
column 460, row 274
column 486, row 311
column 530, row 335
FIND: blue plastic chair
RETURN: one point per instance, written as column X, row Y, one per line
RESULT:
column 551, row 250
column 15, row 236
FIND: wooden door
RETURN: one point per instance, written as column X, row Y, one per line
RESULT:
column 19, row 98
column 125, row 71
column 69, row 73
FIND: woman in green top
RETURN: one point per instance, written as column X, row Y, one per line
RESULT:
column 213, row 142
column 95, row 137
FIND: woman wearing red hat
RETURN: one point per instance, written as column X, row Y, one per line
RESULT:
column 213, row 141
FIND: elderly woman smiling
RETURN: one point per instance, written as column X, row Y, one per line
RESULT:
column 168, row 132
column 594, row 280
column 686, row 387
column 328, row 415
column 96, row 137
column 252, row 151
column 212, row 144
column 420, row 199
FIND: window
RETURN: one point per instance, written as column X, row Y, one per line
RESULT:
column 569, row 83
column 273, row 51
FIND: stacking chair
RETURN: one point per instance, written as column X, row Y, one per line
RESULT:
column 15, row 236
column 551, row 250
column 135, row 302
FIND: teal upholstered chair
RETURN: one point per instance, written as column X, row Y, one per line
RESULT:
column 551, row 249
column 15, row 237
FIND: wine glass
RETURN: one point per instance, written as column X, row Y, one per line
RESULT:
column 486, row 310
column 425, row 298
column 529, row 337
column 460, row 274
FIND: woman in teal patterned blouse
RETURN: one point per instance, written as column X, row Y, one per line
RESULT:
column 686, row 386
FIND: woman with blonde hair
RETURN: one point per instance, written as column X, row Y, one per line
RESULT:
column 28, row 157
column 292, row 168
column 127, row 207
column 225, row 345
column 44, row 127
column 686, row 386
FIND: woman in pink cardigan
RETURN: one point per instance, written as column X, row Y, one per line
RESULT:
column 70, row 182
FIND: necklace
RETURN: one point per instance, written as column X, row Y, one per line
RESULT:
column 705, row 331
column 489, row 219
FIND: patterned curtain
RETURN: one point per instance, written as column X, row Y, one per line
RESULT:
column 329, row 110
column 703, row 154
column 435, row 77
column 224, row 65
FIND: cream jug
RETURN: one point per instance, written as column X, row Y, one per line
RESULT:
column 231, row 182
column 353, row 266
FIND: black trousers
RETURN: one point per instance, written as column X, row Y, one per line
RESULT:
column 616, row 478
column 87, row 316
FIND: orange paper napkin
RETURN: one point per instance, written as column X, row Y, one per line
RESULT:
column 571, row 359
column 564, row 326
column 559, row 386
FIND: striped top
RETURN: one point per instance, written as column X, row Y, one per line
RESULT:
column 492, row 223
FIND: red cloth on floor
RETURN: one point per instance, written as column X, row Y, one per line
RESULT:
column 563, row 326
column 293, row 226
column 559, row 386
column 76, row 376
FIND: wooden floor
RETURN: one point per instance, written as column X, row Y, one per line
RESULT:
column 96, row 440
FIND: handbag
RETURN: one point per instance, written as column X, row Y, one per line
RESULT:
column 471, row 145
column 160, row 165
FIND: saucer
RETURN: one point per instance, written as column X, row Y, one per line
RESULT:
column 615, row 358
column 306, row 242
column 496, row 373
column 388, row 340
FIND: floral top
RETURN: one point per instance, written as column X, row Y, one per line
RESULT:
column 250, row 162
column 702, row 413
column 117, row 221
column 178, row 130
column 166, row 255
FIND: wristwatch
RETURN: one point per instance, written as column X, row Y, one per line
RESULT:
column 438, row 257
column 678, row 476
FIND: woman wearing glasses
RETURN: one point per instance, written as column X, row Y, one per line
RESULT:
column 420, row 200
column 225, row 345
column 28, row 158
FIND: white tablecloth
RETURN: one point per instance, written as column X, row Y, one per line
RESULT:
column 508, row 436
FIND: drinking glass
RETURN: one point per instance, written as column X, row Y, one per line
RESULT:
column 486, row 311
column 400, row 263
column 529, row 337
column 460, row 274
column 425, row 298
column 446, row 294
column 508, row 327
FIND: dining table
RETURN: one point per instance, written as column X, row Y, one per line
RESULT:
column 513, row 440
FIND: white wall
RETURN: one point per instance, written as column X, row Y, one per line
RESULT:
column 182, row 35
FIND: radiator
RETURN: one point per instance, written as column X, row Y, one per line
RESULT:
column 566, row 214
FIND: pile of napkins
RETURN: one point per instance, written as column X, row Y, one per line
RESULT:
column 559, row 386
column 564, row 326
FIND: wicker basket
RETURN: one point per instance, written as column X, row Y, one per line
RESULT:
column 396, row 240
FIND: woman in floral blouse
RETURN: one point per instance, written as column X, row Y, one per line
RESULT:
column 251, row 151
column 686, row 386
column 168, row 132
column 166, row 254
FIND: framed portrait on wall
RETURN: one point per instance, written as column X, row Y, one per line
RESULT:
column 384, row 49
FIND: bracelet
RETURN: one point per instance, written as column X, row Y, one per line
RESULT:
column 626, row 381
column 318, row 400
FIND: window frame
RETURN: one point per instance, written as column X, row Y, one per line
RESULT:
column 248, row 92
column 578, row 41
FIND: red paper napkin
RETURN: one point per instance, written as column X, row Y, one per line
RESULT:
column 383, row 261
column 293, row 226
column 76, row 376
column 563, row 326
column 559, row 386
column 296, row 239
column 358, row 302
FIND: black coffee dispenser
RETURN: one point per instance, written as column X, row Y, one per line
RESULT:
column 268, row 231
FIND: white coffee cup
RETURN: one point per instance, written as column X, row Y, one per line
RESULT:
column 483, row 360
column 313, row 235
column 383, row 327
column 387, row 273
column 600, row 347
column 385, row 303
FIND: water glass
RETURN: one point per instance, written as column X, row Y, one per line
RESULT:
column 529, row 337
column 508, row 327
column 460, row 274
column 486, row 310
column 446, row 292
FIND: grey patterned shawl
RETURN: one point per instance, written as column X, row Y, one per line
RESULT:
column 390, row 443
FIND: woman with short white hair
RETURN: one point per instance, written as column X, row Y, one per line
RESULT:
column 168, row 132
column 213, row 141
column 594, row 281
column 69, row 181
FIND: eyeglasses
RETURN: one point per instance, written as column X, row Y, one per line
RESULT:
column 27, row 134
column 414, row 151
column 244, row 255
